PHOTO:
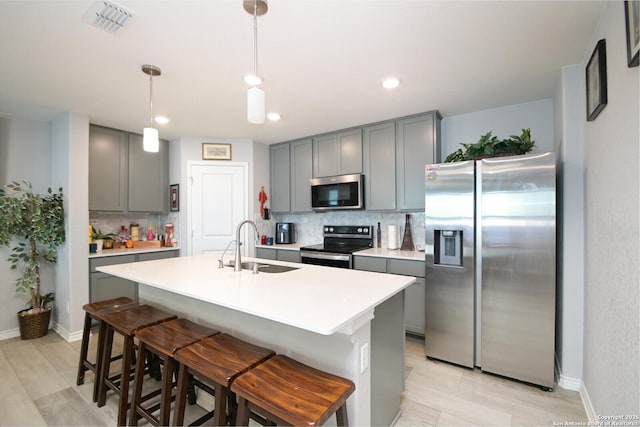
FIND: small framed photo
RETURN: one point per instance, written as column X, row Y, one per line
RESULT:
column 174, row 197
column 597, row 81
column 212, row 151
column 631, row 17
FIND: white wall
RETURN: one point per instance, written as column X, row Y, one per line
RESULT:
column 612, row 240
column 25, row 152
column 503, row 122
column 70, row 170
column 570, row 226
column 185, row 149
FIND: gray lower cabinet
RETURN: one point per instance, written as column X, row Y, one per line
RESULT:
column 122, row 176
column 278, row 254
column 414, row 295
column 337, row 153
column 417, row 145
column 105, row 286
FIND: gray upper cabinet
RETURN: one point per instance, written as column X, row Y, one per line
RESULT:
column 148, row 177
column 338, row 153
column 417, row 144
column 291, row 169
column 107, row 169
column 301, row 173
column 379, row 168
column 122, row 176
column 280, row 178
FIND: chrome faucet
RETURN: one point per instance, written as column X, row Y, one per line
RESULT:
column 237, row 264
column 221, row 260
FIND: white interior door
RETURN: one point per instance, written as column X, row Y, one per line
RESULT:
column 218, row 200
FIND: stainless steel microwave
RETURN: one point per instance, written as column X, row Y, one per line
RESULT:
column 337, row 192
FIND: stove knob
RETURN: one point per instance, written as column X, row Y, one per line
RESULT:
column 359, row 230
column 331, row 229
column 326, row 229
column 365, row 230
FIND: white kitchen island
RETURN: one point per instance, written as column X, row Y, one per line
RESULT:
column 347, row 322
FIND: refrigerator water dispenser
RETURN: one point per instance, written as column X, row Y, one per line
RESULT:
column 448, row 247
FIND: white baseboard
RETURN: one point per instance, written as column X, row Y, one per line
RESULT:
column 66, row 335
column 576, row 384
column 588, row 406
column 11, row 333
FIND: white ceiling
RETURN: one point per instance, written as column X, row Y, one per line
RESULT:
column 322, row 61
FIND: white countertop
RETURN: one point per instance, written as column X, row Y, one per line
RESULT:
column 373, row 252
column 323, row 300
column 392, row 253
column 130, row 251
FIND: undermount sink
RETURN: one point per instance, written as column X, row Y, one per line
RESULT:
column 262, row 267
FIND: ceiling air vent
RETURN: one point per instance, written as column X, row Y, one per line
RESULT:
column 108, row 16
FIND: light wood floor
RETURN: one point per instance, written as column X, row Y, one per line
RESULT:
column 38, row 388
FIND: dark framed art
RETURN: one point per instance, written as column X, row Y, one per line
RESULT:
column 597, row 81
column 632, row 24
column 174, row 197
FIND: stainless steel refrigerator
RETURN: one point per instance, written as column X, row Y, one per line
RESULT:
column 490, row 265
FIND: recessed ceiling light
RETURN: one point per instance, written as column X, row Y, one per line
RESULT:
column 161, row 120
column 252, row 80
column 274, row 117
column 391, row 83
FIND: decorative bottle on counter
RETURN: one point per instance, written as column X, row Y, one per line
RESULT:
column 379, row 237
column 407, row 240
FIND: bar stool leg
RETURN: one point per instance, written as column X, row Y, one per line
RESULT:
column 219, row 411
column 137, row 386
column 181, row 396
column 84, row 349
column 124, row 381
column 167, row 386
column 341, row 416
column 243, row 412
column 104, row 362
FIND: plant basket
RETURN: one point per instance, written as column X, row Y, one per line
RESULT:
column 33, row 325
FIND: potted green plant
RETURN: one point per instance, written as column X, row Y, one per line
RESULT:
column 490, row 146
column 34, row 223
column 102, row 239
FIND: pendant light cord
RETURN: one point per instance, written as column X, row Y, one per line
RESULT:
column 255, row 40
column 150, row 100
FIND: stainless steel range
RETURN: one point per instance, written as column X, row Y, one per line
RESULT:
column 340, row 242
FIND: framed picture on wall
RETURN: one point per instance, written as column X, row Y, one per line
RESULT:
column 597, row 81
column 212, row 151
column 174, row 197
column 632, row 18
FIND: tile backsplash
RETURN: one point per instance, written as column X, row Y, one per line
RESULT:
column 309, row 226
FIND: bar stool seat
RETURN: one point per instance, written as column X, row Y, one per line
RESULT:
column 91, row 310
column 127, row 323
column 286, row 391
column 163, row 340
column 219, row 359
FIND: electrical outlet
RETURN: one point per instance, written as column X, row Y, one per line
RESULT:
column 364, row 358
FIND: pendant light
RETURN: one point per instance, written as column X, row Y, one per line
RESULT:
column 255, row 95
column 150, row 140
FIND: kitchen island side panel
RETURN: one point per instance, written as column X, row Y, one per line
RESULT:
column 338, row 353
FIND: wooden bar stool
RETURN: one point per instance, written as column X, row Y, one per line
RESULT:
column 127, row 323
column 219, row 359
column 163, row 340
column 91, row 311
column 288, row 392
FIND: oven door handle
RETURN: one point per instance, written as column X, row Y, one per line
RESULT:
column 325, row 255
